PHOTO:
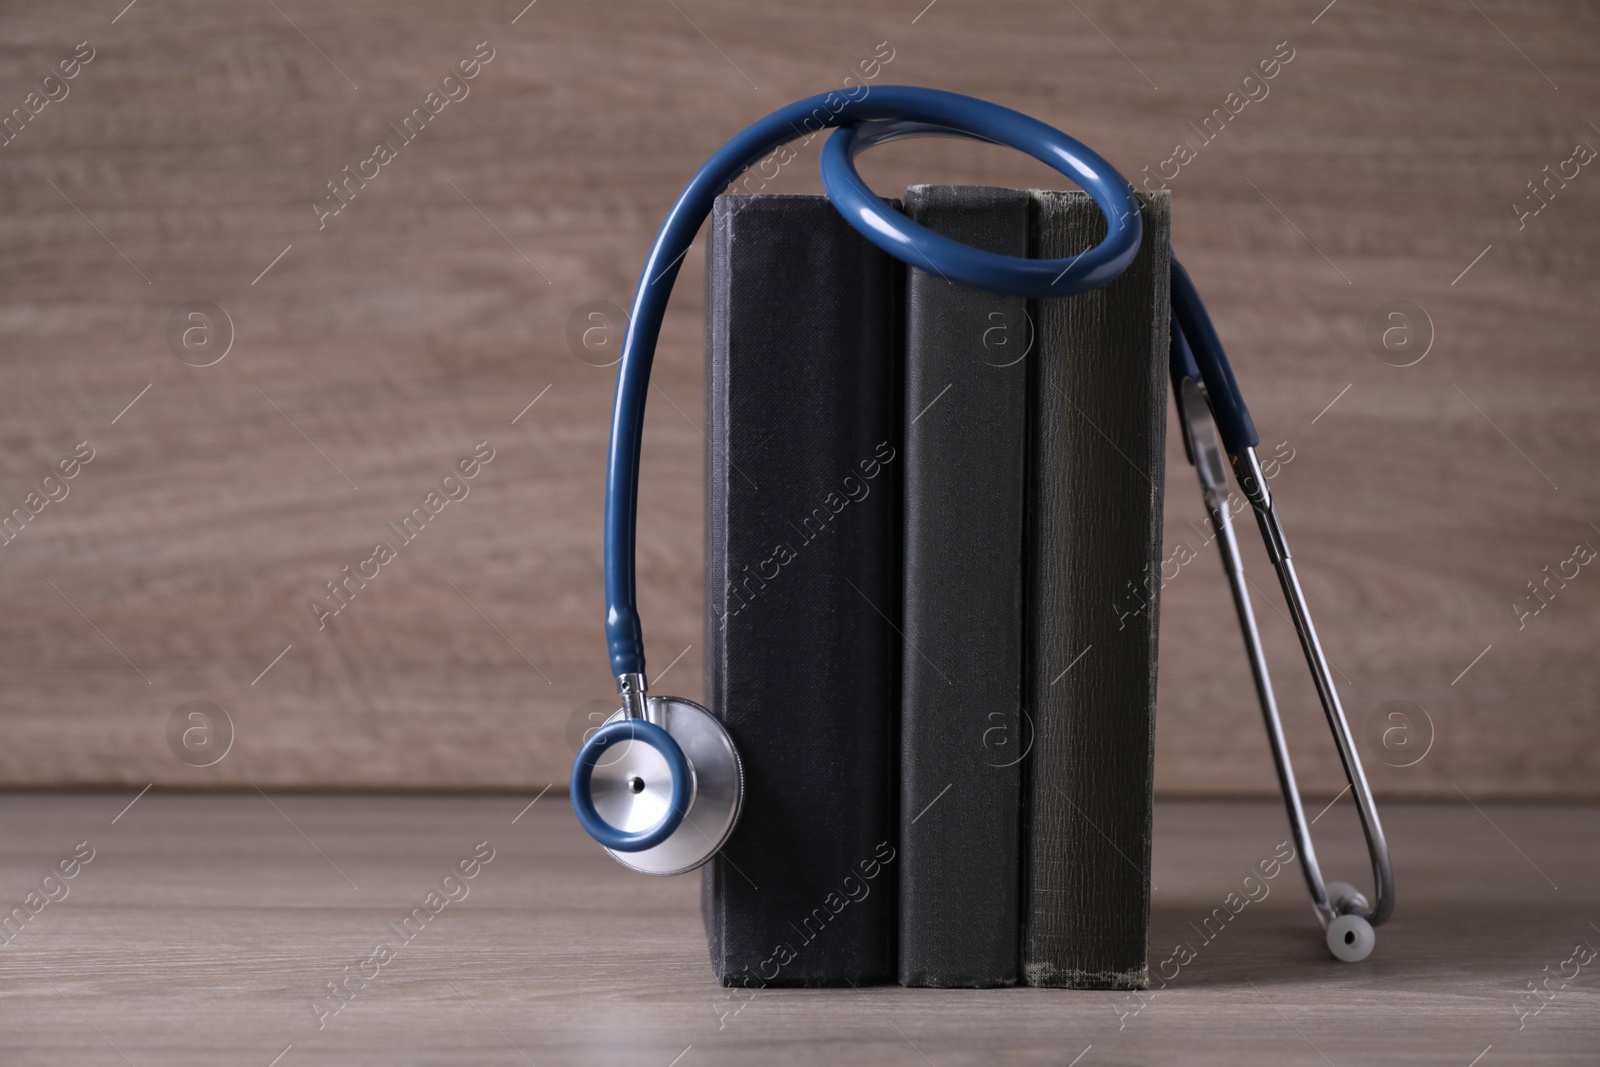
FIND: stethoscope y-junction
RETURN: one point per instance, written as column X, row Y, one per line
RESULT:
column 660, row 784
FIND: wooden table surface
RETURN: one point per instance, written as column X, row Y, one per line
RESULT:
column 374, row 349
column 205, row 927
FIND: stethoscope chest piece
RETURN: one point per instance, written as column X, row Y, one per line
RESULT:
column 632, row 786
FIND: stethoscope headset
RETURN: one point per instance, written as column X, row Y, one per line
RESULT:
column 660, row 784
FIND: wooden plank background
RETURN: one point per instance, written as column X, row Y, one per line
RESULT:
column 1384, row 163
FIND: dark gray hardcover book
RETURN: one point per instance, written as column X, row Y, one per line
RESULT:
column 1094, row 541
column 962, row 737
column 802, row 590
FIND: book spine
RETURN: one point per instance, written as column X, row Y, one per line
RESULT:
column 1098, row 452
column 962, row 734
column 802, row 590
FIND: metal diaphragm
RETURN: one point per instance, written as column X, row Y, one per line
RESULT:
column 631, row 787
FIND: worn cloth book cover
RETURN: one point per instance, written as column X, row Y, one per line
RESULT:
column 1097, row 461
column 962, row 734
column 802, row 590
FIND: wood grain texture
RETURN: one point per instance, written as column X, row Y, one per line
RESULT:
column 204, row 928
column 1382, row 164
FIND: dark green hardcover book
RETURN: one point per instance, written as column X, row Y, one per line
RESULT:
column 1094, row 550
column 962, row 737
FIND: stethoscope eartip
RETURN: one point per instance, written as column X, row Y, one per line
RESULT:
column 1350, row 938
column 1350, row 935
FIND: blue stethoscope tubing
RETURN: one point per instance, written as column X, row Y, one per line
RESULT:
column 1215, row 421
column 883, row 113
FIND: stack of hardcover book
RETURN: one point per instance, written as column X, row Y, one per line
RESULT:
column 933, row 529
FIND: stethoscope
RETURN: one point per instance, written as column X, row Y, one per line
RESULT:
column 660, row 784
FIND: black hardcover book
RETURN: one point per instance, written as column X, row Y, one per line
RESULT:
column 1097, row 461
column 962, row 734
column 802, row 590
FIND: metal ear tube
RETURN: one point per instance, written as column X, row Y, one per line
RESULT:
column 1343, row 912
column 1346, row 938
column 660, row 785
